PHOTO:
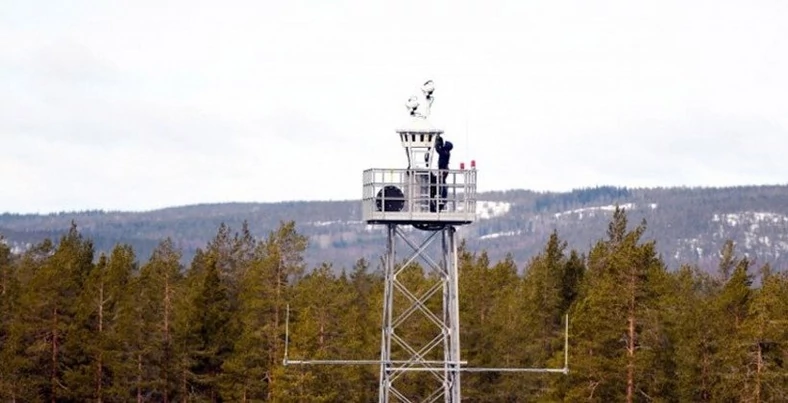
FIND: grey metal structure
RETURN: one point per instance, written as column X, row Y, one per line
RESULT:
column 402, row 351
column 414, row 365
column 413, row 204
column 435, row 201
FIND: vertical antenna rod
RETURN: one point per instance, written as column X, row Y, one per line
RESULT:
column 287, row 332
column 566, row 345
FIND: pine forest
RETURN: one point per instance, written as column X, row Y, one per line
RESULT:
column 79, row 326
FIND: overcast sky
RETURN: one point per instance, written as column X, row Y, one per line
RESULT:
column 136, row 105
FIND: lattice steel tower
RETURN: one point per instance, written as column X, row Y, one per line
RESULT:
column 414, row 365
column 420, row 334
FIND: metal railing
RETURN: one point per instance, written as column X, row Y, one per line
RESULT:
column 419, row 195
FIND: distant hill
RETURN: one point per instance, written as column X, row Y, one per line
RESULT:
column 689, row 224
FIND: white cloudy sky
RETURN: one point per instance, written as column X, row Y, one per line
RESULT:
column 143, row 104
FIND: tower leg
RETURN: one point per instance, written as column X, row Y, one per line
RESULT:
column 451, row 308
column 386, row 330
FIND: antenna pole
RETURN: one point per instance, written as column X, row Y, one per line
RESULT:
column 566, row 345
column 287, row 333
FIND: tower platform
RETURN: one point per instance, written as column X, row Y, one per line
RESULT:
column 419, row 196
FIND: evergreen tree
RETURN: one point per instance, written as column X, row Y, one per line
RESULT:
column 234, row 257
column 112, row 289
column 131, row 339
column 72, row 330
column 9, row 295
column 245, row 370
column 248, row 370
column 23, row 352
column 505, row 330
column 243, row 251
column 210, row 318
column 573, row 274
column 728, row 260
column 44, row 323
column 544, row 299
column 732, row 305
column 689, row 322
column 284, row 265
column 550, row 285
column 207, row 326
column 97, row 314
column 612, row 325
column 363, row 322
column 185, row 332
column 318, row 330
column 158, row 290
column 51, row 299
column 476, row 308
column 765, row 341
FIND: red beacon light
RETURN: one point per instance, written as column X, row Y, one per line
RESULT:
column 473, row 164
column 462, row 165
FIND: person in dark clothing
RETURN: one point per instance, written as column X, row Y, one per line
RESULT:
column 444, row 155
column 444, row 152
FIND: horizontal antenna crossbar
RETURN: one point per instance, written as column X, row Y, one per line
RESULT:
column 369, row 362
column 546, row 370
column 564, row 371
column 424, row 368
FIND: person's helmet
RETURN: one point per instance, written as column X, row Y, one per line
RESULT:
column 448, row 146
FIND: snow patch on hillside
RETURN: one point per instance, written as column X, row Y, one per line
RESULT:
column 499, row 234
column 691, row 245
column 763, row 232
column 16, row 248
column 751, row 222
column 325, row 223
column 750, row 217
column 591, row 211
column 489, row 209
